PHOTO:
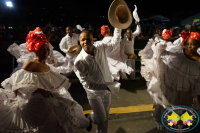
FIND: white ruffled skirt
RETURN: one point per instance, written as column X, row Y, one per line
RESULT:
column 58, row 113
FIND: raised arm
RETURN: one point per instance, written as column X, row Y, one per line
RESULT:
column 138, row 30
column 115, row 41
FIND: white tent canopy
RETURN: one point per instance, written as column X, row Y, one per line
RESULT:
column 190, row 19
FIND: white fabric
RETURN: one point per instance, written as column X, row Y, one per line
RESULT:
column 172, row 78
column 31, row 112
column 25, row 56
column 79, row 27
column 178, row 42
column 28, row 56
column 93, row 71
column 65, row 44
column 131, row 63
column 14, row 49
column 117, row 59
column 100, row 103
column 129, row 44
column 135, row 14
column 95, row 76
column 147, row 52
column 129, row 48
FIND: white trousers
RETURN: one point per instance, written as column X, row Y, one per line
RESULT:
column 83, row 121
column 70, row 59
column 131, row 63
column 100, row 104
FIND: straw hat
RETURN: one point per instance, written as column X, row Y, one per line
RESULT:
column 119, row 14
column 131, row 56
column 76, row 49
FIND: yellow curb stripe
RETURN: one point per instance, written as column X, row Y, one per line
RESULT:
column 129, row 109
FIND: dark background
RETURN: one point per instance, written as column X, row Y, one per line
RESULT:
column 66, row 12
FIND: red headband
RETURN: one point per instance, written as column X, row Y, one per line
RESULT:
column 104, row 28
column 166, row 34
column 192, row 35
column 35, row 39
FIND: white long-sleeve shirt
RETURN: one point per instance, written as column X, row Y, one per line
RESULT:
column 93, row 71
column 68, row 41
column 129, row 45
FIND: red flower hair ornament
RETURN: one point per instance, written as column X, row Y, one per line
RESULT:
column 35, row 39
column 104, row 28
column 192, row 35
column 166, row 34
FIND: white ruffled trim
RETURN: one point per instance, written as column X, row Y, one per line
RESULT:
column 28, row 112
column 50, row 81
column 169, row 74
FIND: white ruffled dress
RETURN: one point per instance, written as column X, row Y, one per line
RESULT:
column 172, row 79
column 147, row 52
column 24, row 111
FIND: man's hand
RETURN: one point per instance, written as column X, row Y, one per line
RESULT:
column 53, row 63
column 137, row 23
column 70, row 51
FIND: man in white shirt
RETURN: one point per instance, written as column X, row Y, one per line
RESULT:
column 69, row 40
column 128, row 42
column 91, row 67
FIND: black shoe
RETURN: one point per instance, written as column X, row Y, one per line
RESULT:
column 89, row 128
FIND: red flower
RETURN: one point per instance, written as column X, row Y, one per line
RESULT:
column 166, row 34
column 35, row 39
column 104, row 28
column 192, row 35
column 174, row 122
column 185, row 122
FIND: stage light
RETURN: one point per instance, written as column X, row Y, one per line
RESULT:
column 9, row 4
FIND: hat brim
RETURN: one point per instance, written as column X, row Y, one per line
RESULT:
column 112, row 17
column 76, row 48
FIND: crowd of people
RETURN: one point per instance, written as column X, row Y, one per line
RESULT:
column 35, row 97
column 55, row 34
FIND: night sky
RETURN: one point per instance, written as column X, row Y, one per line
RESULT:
column 68, row 11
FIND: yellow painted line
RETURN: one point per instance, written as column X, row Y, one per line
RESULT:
column 129, row 109
column 137, row 49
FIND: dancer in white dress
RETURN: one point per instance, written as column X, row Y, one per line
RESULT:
column 22, row 55
column 117, row 58
column 128, row 42
column 173, row 73
column 35, row 98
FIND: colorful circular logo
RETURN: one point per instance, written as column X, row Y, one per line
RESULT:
column 180, row 119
